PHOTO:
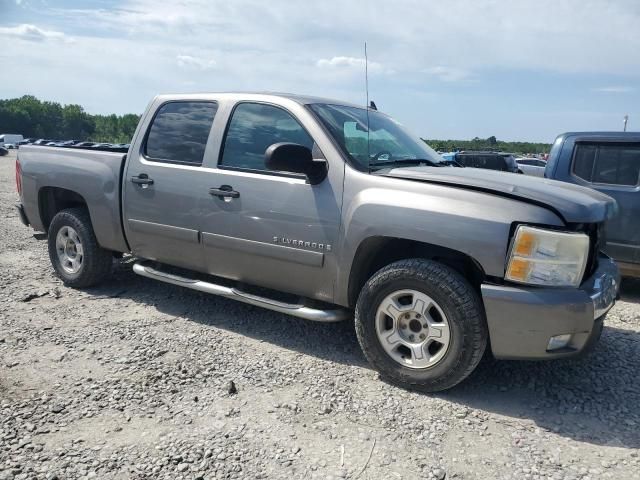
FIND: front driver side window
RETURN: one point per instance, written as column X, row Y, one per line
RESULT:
column 253, row 128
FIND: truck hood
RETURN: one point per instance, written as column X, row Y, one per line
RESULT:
column 573, row 203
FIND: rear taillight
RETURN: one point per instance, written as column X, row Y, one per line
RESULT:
column 18, row 177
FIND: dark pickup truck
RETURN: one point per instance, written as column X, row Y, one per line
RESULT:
column 327, row 211
column 610, row 163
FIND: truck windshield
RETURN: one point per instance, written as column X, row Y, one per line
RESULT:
column 384, row 144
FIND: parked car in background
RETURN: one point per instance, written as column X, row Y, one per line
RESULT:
column 9, row 146
column 510, row 160
column 610, row 163
column 531, row 166
column 504, row 162
column 11, row 138
column 3, row 151
column 76, row 144
column 66, row 143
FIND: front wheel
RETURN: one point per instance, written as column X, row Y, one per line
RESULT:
column 74, row 251
column 421, row 325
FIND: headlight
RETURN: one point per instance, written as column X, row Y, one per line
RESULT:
column 547, row 257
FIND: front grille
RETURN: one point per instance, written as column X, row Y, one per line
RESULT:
column 596, row 237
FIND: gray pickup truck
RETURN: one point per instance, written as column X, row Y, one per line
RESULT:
column 327, row 211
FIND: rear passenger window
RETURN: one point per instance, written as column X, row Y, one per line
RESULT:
column 253, row 128
column 608, row 164
column 583, row 161
column 179, row 132
column 617, row 165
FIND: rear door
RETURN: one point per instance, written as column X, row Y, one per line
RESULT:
column 614, row 168
column 162, row 206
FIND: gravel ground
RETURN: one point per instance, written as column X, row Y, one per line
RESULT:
column 137, row 379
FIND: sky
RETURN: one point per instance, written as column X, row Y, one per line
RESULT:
column 447, row 69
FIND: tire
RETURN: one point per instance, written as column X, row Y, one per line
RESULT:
column 74, row 251
column 449, row 354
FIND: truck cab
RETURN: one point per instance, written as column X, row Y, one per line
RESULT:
column 608, row 162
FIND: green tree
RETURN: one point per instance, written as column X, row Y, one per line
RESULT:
column 488, row 144
column 76, row 123
column 34, row 118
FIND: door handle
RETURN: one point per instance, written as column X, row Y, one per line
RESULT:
column 225, row 191
column 142, row 179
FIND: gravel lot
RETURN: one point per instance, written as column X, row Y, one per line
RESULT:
column 134, row 380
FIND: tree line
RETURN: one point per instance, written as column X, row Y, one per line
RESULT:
column 491, row 144
column 34, row 118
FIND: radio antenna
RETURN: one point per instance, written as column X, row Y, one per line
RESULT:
column 366, row 88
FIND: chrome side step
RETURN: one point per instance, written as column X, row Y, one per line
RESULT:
column 301, row 311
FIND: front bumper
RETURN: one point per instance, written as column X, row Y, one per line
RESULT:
column 22, row 214
column 522, row 320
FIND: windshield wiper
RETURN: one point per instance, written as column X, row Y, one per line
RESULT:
column 404, row 163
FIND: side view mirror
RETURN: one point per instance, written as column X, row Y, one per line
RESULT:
column 294, row 158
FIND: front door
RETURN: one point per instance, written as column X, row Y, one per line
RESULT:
column 161, row 207
column 271, row 229
column 614, row 168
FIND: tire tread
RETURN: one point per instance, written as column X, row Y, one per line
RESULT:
column 466, row 300
column 97, row 261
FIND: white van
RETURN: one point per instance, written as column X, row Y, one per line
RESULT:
column 12, row 138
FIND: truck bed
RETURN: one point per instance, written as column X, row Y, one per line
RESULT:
column 95, row 175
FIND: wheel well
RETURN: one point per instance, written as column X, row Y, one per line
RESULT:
column 377, row 252
column 52, row 200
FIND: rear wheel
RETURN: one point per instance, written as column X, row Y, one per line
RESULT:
column 74, row 251
column 421, row 325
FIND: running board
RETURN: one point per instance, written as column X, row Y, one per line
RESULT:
column 301, row 311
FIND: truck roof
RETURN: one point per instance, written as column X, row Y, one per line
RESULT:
column 600, row 134
column 264, row 96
